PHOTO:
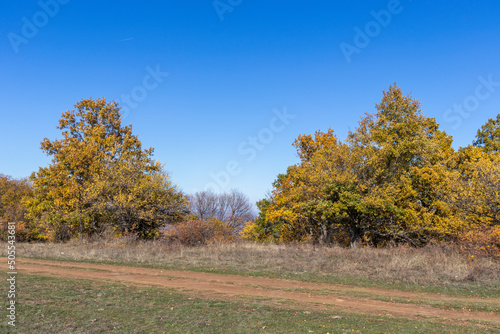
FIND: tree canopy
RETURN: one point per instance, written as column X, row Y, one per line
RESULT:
column 12, row 192
column 394, row 179
column 100, row 177
column 488, row 137
column 389, row 181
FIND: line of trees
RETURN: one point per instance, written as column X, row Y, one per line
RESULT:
column 395, row 179
column 102, row 181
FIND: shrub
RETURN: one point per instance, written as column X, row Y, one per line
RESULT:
column 195, row 231
column 481, row 241
column 23, row 233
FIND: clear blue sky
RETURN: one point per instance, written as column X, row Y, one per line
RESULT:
column 232, row 66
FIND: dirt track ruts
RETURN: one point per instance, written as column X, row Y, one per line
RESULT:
column 229, row 286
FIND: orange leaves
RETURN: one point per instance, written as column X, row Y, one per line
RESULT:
column 397, row 178
column 481, row 241
column 101, row 175
column 382, row 182
column 12, row 193
column 307, row 145
column 475, row 186
column 488, row 137
column 192, row 232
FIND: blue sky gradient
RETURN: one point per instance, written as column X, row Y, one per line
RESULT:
column 233, row 66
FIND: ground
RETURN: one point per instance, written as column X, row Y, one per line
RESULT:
column 387, row 309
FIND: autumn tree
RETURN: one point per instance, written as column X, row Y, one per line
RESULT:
column 325, row 198
column 379, row 185
column 488, row 137
column 300, row 207
column 260, row 228
column 95, row 153
column 475, row 200
column 132, row 201
column 475, row 186
column 406, row 157
column 12, row 193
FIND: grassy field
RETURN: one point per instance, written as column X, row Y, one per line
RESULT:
column 430, row 269
column 54, row 305
column 57, row 305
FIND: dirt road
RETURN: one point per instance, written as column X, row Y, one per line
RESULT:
column 312, row 295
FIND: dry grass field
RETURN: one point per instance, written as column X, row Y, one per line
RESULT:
column 249, row 288
column 430, row 266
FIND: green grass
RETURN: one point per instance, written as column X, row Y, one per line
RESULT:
column 54, row 305
column 463, row 304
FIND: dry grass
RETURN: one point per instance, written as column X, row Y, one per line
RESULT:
column 433, row 265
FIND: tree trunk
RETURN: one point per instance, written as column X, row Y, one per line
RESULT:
column 354, row 234
column 81, row 226
column 325, row 235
